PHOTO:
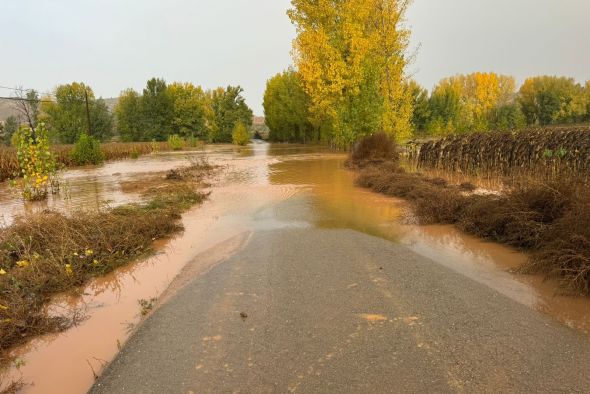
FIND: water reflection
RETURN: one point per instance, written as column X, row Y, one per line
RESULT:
column 334, row 200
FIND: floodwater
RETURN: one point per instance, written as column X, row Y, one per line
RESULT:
column 260, row 187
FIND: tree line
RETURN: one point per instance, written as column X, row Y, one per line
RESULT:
column 350, row 80
column 182, row 109
column 158, row 112
column 489, row 101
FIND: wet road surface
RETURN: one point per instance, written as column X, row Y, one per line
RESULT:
column 334, row 310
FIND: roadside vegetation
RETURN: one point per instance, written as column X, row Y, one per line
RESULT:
column 51, row 252
column 550, row 218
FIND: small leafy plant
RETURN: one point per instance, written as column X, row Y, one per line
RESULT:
column 37, row 164
column 176, row 142
column 240, row 135
column 87, row 151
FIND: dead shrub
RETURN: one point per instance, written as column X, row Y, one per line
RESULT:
column 434, row 201
column 12, row 387
column 374, row 149
column 565, row 249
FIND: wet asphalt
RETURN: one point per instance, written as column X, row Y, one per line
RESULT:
column 337, row 311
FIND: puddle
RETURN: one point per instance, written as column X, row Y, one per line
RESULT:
column 373, row 317
column 261, row 187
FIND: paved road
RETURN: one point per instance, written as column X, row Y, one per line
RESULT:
column 339, row 311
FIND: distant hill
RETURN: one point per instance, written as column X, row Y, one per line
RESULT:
column 6, row 109
column 111, row 102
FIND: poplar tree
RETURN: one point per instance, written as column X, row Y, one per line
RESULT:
column 351, row 55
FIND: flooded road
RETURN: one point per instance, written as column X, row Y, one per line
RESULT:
column 261, row 187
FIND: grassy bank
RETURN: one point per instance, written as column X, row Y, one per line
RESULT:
column 48, row 253
column 63, row 154
column 551, row 219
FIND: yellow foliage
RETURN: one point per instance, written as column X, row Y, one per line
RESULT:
column 478, row 94
column 341, row 43
column 23, row 263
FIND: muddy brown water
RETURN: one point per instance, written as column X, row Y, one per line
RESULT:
column 261, row 187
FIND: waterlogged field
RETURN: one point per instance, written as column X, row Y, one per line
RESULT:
column 112, row 151
column 260, row 187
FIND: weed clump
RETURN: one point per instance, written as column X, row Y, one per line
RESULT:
column 565, row 253
column 374, row 149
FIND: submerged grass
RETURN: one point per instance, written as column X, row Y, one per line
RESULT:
column 11, row 387
column 49, row 253
column 551, row 219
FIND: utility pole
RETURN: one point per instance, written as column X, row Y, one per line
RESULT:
column 87, row 111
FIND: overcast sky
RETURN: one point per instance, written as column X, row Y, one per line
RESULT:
column 116, row 44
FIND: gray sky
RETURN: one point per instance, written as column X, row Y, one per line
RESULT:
column 115, row 44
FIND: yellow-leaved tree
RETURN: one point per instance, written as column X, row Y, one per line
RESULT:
column 467, row 102
column 351, row 56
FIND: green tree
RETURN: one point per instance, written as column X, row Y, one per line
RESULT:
column 445, row 108
column 101, row 120
column 420, row 106
column 67, row 118
column 191, row 105
column 157, row 109
column 240, row 135
column 507, row 117
column 36, row 163
column 286, row 109
column 11, row 125
column 468, row 102
column 228, row 107
column 87, row 151
column 129, row 116
column 550, row 100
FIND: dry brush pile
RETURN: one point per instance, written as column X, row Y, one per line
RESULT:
column 549, row 218
column 549, row 151
column 48, row 253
